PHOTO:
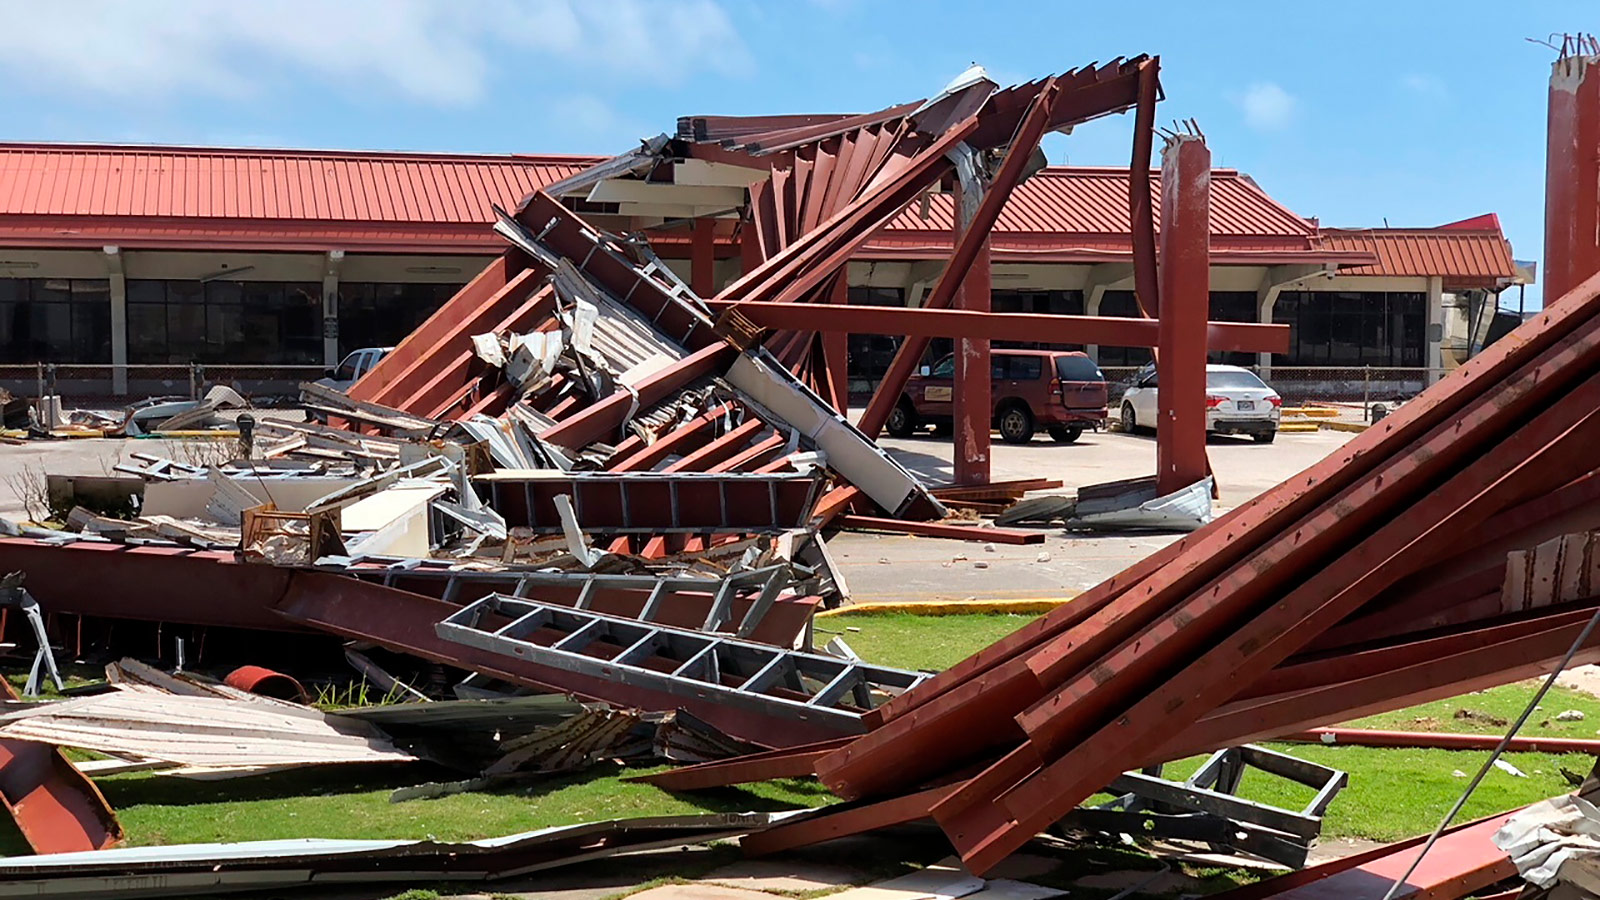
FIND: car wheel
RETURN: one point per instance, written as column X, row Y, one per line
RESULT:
column 1264, row 437
column 902, row 420
column 1016, row 425
column 1130, row 423
column 1065, row 434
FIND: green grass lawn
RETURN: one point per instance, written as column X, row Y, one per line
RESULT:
column 1392, row 794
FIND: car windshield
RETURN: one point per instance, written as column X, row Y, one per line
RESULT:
column 347, row 369
column 1238, row 379
column 1078, row 368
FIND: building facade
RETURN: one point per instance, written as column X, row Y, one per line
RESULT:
column 126, row 263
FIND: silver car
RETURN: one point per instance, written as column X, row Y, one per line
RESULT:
column 1237, row 402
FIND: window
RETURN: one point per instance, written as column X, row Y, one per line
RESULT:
column 1351, row 328
column 946, row 368
column 55, row 320
column 1233, row 306
column 1233, row 380
column 1078, row 368
column 869, row 355
column 1056, row 303
column 1026, row 368
column 1122, row 304
column 381, row 315
column 241, row 322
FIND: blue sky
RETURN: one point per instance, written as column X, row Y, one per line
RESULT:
column 1412, row 112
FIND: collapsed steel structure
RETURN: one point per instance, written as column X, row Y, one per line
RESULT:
column 1393, row 572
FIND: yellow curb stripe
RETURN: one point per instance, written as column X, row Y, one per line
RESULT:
column 1026, row 606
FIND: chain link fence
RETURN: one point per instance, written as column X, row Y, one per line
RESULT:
column 93, row 385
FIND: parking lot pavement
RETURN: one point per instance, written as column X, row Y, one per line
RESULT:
column 27, row 464
column 883, row 568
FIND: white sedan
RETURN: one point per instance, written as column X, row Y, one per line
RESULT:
column 1237, row 402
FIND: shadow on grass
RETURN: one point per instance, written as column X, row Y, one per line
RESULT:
column 154, row 789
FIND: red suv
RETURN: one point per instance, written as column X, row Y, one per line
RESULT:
column 1062, row 392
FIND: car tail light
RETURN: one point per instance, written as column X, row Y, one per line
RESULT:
column 1055, row 385
column 1275, row 400
column 1213, row 401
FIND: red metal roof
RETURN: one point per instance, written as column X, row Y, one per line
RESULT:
column 1465, row 259
column 1079, row 200
column 56, row 195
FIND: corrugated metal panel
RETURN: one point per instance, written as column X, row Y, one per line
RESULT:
column 1462, row 257
column 70, row 180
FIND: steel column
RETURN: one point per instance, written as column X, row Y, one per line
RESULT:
column 1185, row 301
column 703, row 257
column 1572, row 175
column 836, row 345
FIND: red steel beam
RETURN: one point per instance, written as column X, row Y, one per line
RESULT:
column 1141, row 208
column 794, row 762
column 720, row 449
column 836, row 344
column 1185, row 301
column 1572, row 174
column 923, row 322
column 966, row 710
column 56, row 807
column 679, row 441
column 1546, row 445
column 703, row 257
column 1364, row 737
column 601, row 419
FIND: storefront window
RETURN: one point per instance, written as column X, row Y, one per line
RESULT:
column 1349, row 329
column 55, row 320
column 249, row 322
column 381, row 315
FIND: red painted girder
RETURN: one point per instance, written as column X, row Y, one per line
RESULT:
column 442, row 392
column 1511, row 660
column 942, row 530
column 794, row 762
column 919, row 322
column 1261, row 643
column 678, row 441
column 719, row 449
column 405, row 622
column 602, row 418
column 57, row 808
column 703, row 257
column 1365, row 737
column 755, row 455
column 1141, row 208
column 965, row 716
column 842, row 821
column 1185, row 302
column 452, row 325
column 1572, row 175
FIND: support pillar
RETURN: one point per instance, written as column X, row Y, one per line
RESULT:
column 1185, row 296
column 1433, row 353
column 749, row 249
column 118, row 283
column 972, row 400
column 703, row 257
column 836, row 344
column 1572, row 176
column 330, row 308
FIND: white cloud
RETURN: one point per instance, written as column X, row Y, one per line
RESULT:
column 1267, row 106
column 434, row 51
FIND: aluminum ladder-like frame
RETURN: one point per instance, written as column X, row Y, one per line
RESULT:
column 757, row 677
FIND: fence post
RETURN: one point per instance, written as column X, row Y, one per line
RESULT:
column 39, row 374
column 193, row 393
column 1366, row 394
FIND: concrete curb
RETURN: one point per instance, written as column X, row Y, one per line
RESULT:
column 952, row 607
column 1355, row 427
